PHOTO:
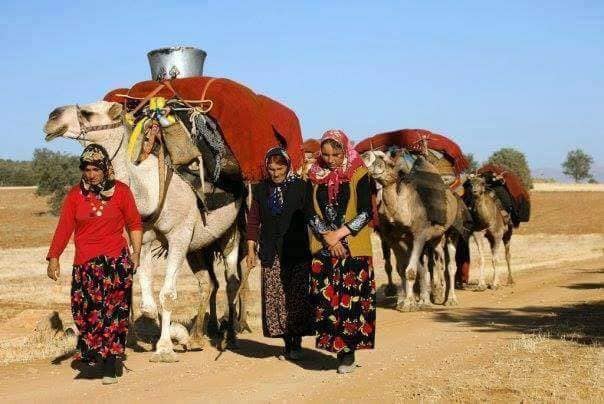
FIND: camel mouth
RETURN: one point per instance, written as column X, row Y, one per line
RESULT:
column 56, row 133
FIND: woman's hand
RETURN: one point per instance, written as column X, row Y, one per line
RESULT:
column 331, row 238
column 250, row 260
column 338, row 250
column 54, row 269
column 136, row 260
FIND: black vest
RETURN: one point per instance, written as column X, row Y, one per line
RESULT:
column 284, row 234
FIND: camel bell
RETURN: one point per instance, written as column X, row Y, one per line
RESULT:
column 176, row 62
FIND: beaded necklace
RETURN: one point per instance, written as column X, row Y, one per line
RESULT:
column 96, row 209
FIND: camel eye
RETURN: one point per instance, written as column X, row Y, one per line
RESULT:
column 86, row 114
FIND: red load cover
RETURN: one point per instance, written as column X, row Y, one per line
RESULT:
column 241, row 115
column 411, row 140
column 286, row 123
column 512, row 181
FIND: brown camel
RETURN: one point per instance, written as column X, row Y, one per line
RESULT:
column 492, row 221
column 402, row 208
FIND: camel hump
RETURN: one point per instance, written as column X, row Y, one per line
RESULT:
column 431, row 189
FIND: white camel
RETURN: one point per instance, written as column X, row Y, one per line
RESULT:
column 179, row 222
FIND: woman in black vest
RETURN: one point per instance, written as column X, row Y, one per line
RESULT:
column 276, row 222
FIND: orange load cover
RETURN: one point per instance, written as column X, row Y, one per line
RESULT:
column 311, row 146
column 411, row 139
column 243, row 117
column 285, row 123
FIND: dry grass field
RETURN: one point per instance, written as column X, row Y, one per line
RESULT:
column 539, row 340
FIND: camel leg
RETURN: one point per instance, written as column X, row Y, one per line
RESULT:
column 424, row 285
column 507, row 237
column 232, row 285
column 201, row 270
column 167, row 296
column 148, row 306
column 386, row 252
column 243, row 299
column 409, row 303
column 451, row 269
column 482, row 285
column 438, row 279
column 495, row 243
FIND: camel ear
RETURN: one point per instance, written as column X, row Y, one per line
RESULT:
column 115, row 111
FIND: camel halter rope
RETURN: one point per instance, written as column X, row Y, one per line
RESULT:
column 84, row 129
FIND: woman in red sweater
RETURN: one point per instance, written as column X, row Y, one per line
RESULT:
column 97, row 210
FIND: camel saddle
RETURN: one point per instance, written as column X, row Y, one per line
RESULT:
column 250, row 124
column 412, row 140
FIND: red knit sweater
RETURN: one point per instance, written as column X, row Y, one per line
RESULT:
column 95, row 235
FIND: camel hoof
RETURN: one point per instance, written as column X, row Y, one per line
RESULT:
column 164, row 357
column 406, row 307
column 424, row 305
column 390, row 290
column 242, row 326
column 149, row 311
column 493, row 287
column 197, row 343
column 511, row 282
column 452, row 302
column 481, row 287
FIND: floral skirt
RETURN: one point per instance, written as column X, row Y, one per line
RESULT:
column 343, row 296
column 286, row 309
column 101, row 292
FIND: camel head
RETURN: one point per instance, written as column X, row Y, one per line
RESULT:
column 84, row 122
column 478, row 185
column 381, row 167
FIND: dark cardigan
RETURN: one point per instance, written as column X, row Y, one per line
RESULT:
column 285, row 234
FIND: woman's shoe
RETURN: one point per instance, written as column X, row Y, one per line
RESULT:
column 346, row 362
column 295, row 353
column 287, row 349
column 110, row 370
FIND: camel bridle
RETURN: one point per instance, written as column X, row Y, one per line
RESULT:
column 85, row 129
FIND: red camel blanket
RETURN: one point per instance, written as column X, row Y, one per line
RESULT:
column 247, row 121
column 286, row 124
column 411, row 139
column 521, row 199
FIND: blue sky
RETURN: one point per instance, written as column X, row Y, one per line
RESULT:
column 489, row 74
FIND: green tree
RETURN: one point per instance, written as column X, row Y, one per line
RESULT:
column 514, row 161
column 55, row 173
column 16, row 173
column 472, row 163
column 577, row 165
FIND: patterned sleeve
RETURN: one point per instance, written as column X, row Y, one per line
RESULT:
column 364, row 210
column 314, row 221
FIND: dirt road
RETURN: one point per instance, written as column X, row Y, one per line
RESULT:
column 540, row 339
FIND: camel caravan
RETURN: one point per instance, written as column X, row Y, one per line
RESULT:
column 191, row 147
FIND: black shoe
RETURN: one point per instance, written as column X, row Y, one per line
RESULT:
column 346, row 362
column 110, row 370
column 296, row 349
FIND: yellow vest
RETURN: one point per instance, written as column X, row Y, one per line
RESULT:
column 360, row 245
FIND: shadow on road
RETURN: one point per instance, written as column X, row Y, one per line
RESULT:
column 582, row 323
column 312, row 360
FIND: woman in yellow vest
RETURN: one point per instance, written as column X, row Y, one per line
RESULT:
column 342, row 283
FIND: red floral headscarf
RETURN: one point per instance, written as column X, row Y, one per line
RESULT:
column 320, row 172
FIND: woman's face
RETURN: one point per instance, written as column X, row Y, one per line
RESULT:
column 334, row 157
column 277, row 172
column 93, row 175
